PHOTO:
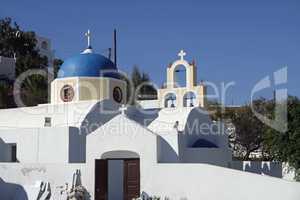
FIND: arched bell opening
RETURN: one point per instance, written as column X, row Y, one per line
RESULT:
column 189, row 99
column 170, row 100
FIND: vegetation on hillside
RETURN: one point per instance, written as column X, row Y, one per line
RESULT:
column 20, row 44
column 250, row 134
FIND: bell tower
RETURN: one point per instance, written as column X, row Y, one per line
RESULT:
column 173, row 95
column 190, row 69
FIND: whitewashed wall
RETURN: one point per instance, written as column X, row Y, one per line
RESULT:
column 22, row 181
column 214, row 156
column 41, row 145
column 176, row 181
column 202, row 181
column 267, row 168
column 122, row 134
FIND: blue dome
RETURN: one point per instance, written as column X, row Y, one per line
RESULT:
column 89, row 65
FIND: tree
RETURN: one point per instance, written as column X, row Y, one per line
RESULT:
column 20, row 44
column 139, row 86
column 285, row 147
column 5, row 97
column 248, row 130
column 14, row 41
column 56, row 66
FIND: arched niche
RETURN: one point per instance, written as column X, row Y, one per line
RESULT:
column 170, row 100
column 119, row 154
column 189, row 99
column 203, row 143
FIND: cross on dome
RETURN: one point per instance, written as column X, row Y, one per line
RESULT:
column 89, row 47
column 181, row 54
column 88, row 35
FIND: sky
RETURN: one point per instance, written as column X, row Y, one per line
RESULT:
column 231, row 41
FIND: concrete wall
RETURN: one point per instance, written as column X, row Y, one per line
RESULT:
column 214, row 156
column 45, row 145
column 201, row 181
column 175, row 181
column 26, row 140
column 17, row 179
column 149, row 104
column 87, row 88
column 53, row 145
column 5, row 151
column 77, row 146
column 274, row 169
column 122, row 134
column 167, row 148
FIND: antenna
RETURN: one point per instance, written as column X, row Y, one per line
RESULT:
column 115, row 47
column 109, row 53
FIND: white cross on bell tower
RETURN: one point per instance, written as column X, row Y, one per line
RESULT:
column 88, row 35
column 181, row 54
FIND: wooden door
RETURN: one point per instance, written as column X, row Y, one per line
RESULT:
column 131, row 179
column 101, row 180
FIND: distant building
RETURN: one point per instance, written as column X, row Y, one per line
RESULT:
column 8, row 65
column 45, row 48
column 7, row 68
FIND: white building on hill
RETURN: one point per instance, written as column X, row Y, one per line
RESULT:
column 86, row 137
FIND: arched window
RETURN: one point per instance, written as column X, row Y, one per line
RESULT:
column 189, row 99
column 170, row 100
column 180, row 76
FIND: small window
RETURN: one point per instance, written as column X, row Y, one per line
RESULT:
column 14, row 153
column 44, row 45
column 47, row 121
column 67, row 93
column 11, row 152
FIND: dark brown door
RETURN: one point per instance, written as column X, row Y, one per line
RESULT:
column 131, row 179
column 101, row 180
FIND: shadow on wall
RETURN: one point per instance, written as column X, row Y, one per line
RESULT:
column 273, row 169
column 77, row 146
column 143, row 117
column 11, row 191
column 199, row 125
column 166, row 153
column 101, row 113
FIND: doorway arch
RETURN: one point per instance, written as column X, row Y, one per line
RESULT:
column 117, row 175
column 118, row 154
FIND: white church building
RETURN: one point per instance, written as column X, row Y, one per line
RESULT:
column 167, row 148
